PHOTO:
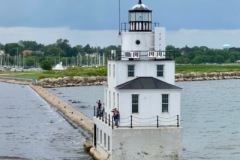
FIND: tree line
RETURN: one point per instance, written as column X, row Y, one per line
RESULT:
column 204, row 55
column 51, row 54
column 61, row 50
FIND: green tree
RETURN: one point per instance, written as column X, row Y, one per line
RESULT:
column 64, row 45
column 29, row 61
column 53, row 50
column 45, row 65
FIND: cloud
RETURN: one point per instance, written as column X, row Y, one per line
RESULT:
column 103, row 38
column 46, row 36
column 209, row 38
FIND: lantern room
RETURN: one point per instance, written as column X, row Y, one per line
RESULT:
column 140, row 18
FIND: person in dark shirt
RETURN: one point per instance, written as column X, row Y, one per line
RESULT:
column 99, row 108
column 116, row 117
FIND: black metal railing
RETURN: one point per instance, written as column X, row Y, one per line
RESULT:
column 133, row 121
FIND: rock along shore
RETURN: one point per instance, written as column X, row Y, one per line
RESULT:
column 88, row 81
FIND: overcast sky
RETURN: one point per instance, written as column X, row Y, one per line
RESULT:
column 210, row 23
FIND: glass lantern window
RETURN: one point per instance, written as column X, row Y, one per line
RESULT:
column 139, row 16
column 146, row 17
column 132, row 17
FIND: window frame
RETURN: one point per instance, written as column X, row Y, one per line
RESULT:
column 135, row 105
column 165, row 103
column 131, row 71
column 160, row 71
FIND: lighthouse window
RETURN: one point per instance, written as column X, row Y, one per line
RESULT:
column 145, row 16
column 135, row 103
column 114, row 99
column 160, row 70
column 165, row 103
column 100, row 136
column 139, row 17
column 114, row 71
column 109, row 99
column 109, row 70
column 108, row 143
column 133, row 17
column 105, row 140
column 97, row 135
column 130, row 70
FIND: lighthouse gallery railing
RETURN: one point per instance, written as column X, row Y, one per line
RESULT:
column 134, row 121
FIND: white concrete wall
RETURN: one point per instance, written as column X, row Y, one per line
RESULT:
column 147, row 144
column 150, row 106
column 129, row 41
column 105, row 128
column 160, row 39
column 142, row 69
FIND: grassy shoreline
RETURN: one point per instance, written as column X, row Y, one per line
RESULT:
column 102, row 71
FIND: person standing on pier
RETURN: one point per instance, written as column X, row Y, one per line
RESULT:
column 99, row 108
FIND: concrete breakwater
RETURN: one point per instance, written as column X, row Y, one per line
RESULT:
column 67, row 110
column 88, row 81
column 71, row 114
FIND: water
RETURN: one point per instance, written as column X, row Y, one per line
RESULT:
column 210, row 120
column 83, row 98
column 31, row 129
column 210, row 116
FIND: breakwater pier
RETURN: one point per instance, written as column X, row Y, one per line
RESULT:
column 32, row 129
column 71, row 114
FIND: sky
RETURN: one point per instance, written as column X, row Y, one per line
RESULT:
column 210, row 23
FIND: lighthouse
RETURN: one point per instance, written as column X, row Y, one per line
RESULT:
column 141, row 90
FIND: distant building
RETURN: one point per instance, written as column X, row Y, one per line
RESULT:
column 1, row 52
column 27, row 52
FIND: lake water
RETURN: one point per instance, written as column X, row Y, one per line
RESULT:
column 210, row 112
column 30, row 128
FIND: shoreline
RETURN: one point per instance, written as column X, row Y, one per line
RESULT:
column 91, row 81
column 102, row 80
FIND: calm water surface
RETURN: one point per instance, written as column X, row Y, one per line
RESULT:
column 31, row 129
column 210, row 116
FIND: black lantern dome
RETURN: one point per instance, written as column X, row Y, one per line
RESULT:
column 140, row 18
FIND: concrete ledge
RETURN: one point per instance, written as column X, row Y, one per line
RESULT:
column 67, row 110
column 73, row 115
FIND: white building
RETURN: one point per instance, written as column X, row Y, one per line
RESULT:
column 141, row 85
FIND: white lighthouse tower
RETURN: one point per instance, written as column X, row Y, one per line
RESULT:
column 141, row 86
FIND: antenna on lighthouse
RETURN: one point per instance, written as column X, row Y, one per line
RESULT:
column 119, row 18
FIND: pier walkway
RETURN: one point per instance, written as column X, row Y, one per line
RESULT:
column 68, row 111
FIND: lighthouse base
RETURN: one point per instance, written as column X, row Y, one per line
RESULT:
column 144, row 143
